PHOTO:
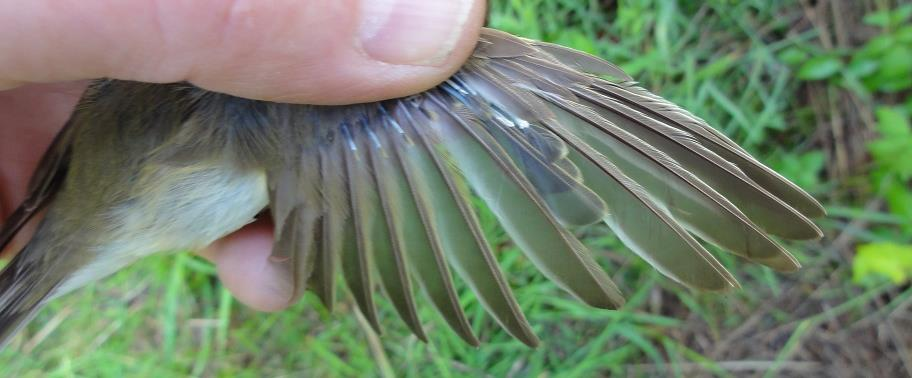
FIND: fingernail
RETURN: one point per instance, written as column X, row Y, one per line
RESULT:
column 412, row 32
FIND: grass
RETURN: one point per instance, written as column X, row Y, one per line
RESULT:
column 169, row 316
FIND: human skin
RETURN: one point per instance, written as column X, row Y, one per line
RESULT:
column 314, row 52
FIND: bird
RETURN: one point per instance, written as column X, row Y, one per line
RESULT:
column 549, row 138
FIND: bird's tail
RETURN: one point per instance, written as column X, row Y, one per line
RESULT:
column 25, row 285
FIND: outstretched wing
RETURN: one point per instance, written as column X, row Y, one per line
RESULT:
column 534, row 130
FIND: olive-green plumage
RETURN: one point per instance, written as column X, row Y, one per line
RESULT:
column 548, row 137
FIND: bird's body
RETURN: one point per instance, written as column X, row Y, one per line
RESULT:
column 184, row 214
column 117, row 205
column 549, row 138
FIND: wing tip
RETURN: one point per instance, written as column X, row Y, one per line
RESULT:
column 530, row 339
column 420, row 334
column 815, row 209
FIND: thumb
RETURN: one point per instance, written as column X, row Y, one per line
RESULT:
column 318, row 51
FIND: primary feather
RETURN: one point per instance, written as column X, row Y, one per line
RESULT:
column 547, row 137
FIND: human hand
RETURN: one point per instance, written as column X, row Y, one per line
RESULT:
column 316, row 52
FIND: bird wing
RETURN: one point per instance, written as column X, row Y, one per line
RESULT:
column 44, row 184
column 548, row 138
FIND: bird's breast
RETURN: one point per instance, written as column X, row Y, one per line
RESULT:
column 181, row 208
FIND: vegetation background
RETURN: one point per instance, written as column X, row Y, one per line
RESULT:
column 820, row 90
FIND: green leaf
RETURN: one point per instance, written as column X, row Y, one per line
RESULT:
column 717, row 67
column 876, row 47
column 820, row 67
column 881, row 18
column 904, row 34
column 899, row 201
column 804, row 169
column 892, row 122
column 862, row 67
column 893, row 150
column 893, row 261
column 889, row 18
column 793, row 56
column 893, row 75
